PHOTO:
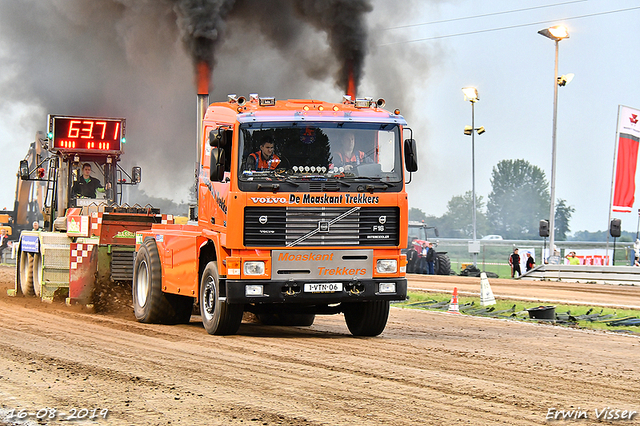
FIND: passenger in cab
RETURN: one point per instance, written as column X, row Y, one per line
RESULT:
column 348, row 157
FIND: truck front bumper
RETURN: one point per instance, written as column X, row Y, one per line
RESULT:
column 267, row 291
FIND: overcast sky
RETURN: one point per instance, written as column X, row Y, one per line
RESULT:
column 421, row 54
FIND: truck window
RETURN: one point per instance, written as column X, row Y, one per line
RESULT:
column 320, row 151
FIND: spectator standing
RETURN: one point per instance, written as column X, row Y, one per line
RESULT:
column 514, row 261
column 531, row 263
column 423, row 259
column 412, row 259
column 431, row 259
column 4, row 239
column 573, row 260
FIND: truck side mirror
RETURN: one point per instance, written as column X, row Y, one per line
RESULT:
column 435, row 231
column 24, row 169
column 220, row 137
column 410, row 155
column 216, row 165
column 136, row 174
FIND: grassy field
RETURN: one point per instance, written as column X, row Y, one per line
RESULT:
column 577, row 316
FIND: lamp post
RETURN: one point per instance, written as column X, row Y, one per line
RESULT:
column 556, row 34
column 471, row 95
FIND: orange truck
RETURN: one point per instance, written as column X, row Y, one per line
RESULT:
column 302, row 210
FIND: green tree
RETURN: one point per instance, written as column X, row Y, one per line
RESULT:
column 417, row 214
column 518, row 200
column 457, row 222
column 563, row 215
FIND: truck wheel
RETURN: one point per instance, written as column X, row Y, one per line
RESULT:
column 149, row 302
column 443, row 264
column 218, row 316
column 37, row 274
column 366, row 318
column 26, row 274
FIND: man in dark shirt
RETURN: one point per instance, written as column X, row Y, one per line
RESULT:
column 514, row 261
column 531, row 263
column 86, row 186
column 431, row 259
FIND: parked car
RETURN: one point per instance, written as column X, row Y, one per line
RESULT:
column 492, row 237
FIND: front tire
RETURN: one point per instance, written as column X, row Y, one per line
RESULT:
column 218, row 317
column 37, row 274
column 367, row 318
column 26, row 274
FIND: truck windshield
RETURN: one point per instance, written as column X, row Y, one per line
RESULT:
column 296, row 152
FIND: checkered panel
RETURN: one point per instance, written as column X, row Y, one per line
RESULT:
column 80, row 252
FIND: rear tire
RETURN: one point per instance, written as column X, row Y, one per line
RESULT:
column 218, row 317
column 366, row 318
column 37, row 274
column 150, row 304
column 26, row 273
column 443, row 264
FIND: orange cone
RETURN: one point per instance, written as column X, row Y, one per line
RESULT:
column 453, row 305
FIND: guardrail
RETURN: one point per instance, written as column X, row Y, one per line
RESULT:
column 621, row 275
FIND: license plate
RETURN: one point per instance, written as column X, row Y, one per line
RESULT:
column 323, row 288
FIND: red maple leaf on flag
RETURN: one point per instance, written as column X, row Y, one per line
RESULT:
column 634, row 118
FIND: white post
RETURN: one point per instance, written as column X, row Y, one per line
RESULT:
column 552, row 215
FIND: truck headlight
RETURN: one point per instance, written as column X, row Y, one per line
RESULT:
column 387, row 288
column 254, row 268
column 254, row 290
column 387, row 266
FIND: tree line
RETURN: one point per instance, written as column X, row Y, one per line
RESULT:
column 519, row 199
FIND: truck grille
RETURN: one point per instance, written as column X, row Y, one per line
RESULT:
column 283, row 226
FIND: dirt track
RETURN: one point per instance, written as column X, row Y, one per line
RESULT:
column 426, row 368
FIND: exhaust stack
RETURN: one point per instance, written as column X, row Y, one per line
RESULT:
column 351, row 84
column 202, row 102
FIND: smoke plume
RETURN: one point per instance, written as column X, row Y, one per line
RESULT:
column 137, row 59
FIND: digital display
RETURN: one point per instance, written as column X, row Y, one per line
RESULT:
column 86, row 134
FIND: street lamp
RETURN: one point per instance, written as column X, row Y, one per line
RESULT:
column 471, row 95
column 556, row 34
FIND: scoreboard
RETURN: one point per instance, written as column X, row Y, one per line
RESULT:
column 86, row 134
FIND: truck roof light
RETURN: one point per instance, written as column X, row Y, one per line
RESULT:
column 306, row 107
column 396, row 111
column 270, row 101
column 335, row 107
column 363, row 102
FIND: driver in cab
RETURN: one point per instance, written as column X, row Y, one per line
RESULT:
column 348, row 157
column 264, row 159
column 86, row 186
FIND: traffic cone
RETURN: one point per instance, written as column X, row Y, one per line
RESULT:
column 453, row 305
column 486, row 295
